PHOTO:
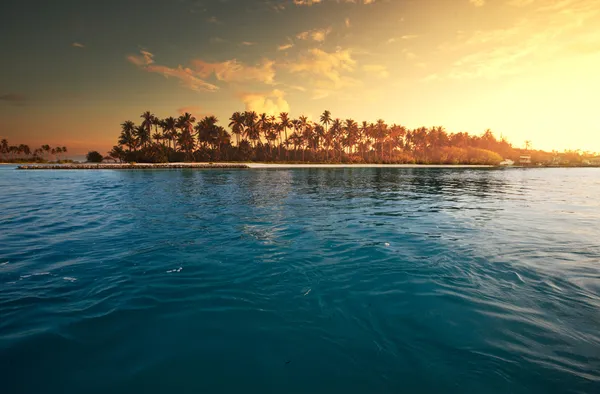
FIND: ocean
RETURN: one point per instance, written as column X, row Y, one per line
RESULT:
column 355, row 280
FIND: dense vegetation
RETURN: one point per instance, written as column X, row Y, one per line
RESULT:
column 282, row 139
column 272, row 139
column 23, row 153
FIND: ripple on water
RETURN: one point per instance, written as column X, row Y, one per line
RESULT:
column 351, row 280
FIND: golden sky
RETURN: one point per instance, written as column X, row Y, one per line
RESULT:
column 526, row 69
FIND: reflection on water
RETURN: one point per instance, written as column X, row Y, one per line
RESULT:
column 308, row 280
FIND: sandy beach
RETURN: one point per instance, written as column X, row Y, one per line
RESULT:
column 143, row 166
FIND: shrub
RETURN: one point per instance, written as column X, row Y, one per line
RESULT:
column 94, row 157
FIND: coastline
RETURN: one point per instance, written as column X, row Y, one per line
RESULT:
column 249, row 165
column 145, row 166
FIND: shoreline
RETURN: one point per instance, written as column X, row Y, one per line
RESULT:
column 147, row 166
column 248, row 165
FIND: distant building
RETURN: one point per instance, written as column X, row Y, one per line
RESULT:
column 507, row 162
column 595, row 161
column 525, row 159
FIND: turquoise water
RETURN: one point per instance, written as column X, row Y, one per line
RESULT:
column 300, row 281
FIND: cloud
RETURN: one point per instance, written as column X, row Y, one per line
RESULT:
column 213, row 19
column 234, row 71
column 77, row 45
column 477, row 3
column 347, row 22
column 143, row 59
column 327, row 72
column 318, row 35
column 284, row 47
column 328, row 65
column 404, row 37
column 377, row 70
column 271, row 103
column 248, row 43
column 15, row 99
column 187, row 77
column 306, row 2
column 195, row 76
column 313, row 2
column 408, row 54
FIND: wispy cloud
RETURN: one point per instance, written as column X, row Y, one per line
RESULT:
column 77, row 45
column 477, row 3
column 313, row 2
column 549, row 30
column 187, row 77
column 235, row 71
column 318, row 35
column 284, row 47
column 405, row 37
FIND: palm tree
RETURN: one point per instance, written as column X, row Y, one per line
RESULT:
column 284, row 121
column 117, row 153
column 325, row 121
column 128, row 136
column 237, row 126
column 257, row 134
column 223, row 138
column 156, row 121
column 263, row 126
column 380, row 134
column 208, row 132
column 351, row 128
column 4, row 148
column 364, row 138
column 250, row 123
column 142, row 134
column 334, row 133
column 186, row 138
column 169, row 126
column 147, row 123
column 46, row 148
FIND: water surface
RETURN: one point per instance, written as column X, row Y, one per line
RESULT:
column 300, row 281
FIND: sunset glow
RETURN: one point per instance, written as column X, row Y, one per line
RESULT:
column 526, row 69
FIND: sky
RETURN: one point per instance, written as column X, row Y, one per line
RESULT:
column 72, row 71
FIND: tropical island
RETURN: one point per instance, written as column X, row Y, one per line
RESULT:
column 280, row 139
column 22, row 153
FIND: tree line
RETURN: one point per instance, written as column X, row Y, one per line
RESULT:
column 23, row 153
column 262, row 137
